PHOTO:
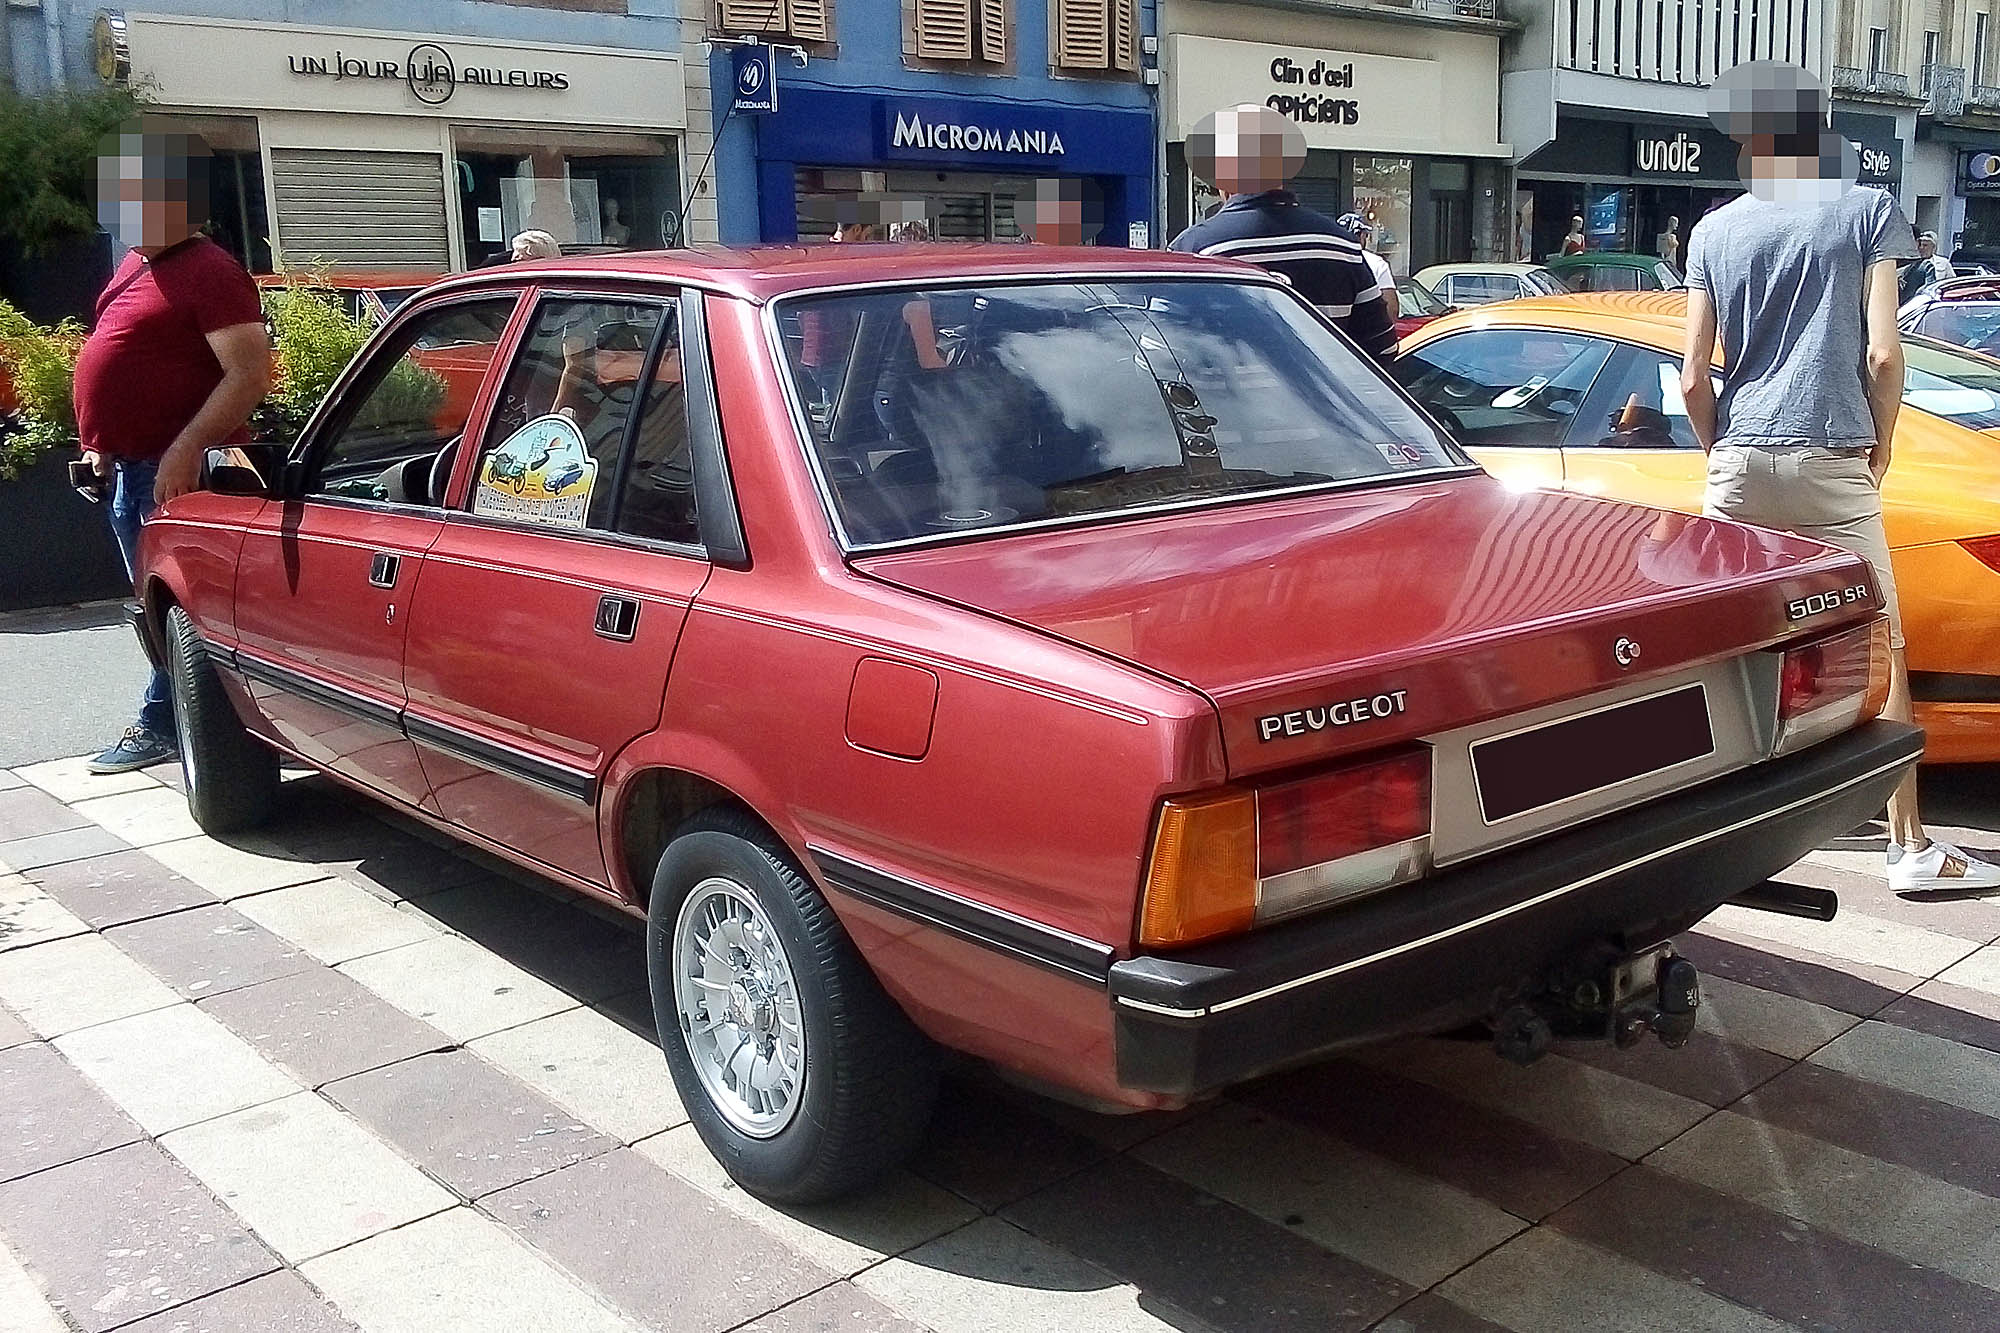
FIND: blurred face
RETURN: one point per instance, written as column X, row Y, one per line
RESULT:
column 1065, row 213
column 1246, row 149
column 152, row 189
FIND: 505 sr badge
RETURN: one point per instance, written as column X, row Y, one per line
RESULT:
column 1804, row 608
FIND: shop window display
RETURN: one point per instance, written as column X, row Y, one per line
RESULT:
column 592, row 193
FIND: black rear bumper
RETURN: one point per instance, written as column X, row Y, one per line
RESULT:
column 1455, row 947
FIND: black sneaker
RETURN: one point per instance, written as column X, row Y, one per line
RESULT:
column 137, row 748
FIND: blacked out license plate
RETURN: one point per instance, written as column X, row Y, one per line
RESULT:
column 1533, row 769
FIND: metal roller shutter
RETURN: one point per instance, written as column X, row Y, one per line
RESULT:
column 361, row 209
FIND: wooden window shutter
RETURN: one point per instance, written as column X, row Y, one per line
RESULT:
column 1082, row 34
column 809, row 21
column 1124, row 34
column 993, row 31
column 751, row 15
column 944, row 29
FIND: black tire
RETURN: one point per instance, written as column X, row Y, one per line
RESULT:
column 231, row 777
column 870, row 1077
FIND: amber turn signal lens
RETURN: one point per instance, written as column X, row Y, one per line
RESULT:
column 1877, row 697
column 1203, row 878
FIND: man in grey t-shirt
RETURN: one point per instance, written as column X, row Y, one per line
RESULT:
column 1796, row 281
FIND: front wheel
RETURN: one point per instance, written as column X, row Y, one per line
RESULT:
column 231, row 777
column 802, row 1077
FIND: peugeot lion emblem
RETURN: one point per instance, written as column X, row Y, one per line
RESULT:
column 1625, row 652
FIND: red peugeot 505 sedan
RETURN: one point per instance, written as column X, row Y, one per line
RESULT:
column 1081, row 659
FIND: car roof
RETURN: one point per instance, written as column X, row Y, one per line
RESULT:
column 1619, row 258
column 1976, row 287
column 1647, row 317
column 1480, row 268
column 764, row 273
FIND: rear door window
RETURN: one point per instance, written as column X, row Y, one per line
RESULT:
column 552, row 447
column 1511, row 387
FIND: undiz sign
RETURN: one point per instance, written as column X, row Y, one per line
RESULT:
column 1658, row 155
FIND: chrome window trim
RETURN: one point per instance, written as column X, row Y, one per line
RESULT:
column 802, row 426
column 1512, row 909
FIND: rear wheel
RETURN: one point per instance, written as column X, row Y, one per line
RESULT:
column 231, row 777
column 802, row 1077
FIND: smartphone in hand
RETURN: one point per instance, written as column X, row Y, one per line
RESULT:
column 86, row 481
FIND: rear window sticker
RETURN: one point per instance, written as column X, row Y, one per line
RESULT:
column 542, row 473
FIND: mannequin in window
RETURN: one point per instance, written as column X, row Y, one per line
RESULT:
column 1574, row 244
column 1670, row 242
column 615, row 232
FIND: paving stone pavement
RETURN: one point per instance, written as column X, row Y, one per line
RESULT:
column 345, row 1075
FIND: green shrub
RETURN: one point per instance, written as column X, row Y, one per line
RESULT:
column 315, row 338
column 50, row 145
column 40, row 364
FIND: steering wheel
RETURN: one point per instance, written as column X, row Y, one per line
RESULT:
column 440, row 476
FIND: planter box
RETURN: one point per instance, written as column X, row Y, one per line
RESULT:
column 55, row 546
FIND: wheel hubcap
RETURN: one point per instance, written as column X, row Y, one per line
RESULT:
column 738, row 1007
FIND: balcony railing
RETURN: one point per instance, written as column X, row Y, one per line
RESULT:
column 1985, row 96
column 1848, row 79
column 1945, row 85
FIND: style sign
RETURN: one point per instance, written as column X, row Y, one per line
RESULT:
column 542, row 473
column 755, row 79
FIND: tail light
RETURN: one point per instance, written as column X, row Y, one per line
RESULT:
column 1832, row 684
column 1986, row 550
column 1228, row 861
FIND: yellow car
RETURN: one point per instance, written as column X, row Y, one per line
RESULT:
column 1582, row 393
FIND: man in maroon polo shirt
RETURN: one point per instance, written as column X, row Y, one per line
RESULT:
column 176, row 361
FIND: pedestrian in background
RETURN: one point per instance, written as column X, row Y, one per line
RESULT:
column 534, row 244
column 1797, row 281
column 176, row 360
column 1249, row 152
column 1930, row 269
column 1358, row 229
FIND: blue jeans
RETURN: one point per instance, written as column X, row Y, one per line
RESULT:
column 131, row 501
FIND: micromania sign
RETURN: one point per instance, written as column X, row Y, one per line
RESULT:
column 975, row 131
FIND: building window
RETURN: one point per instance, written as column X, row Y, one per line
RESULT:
column 957, row 30
column 1878, row 48
column 1930, row 59
column 592, row 192
column 1096, row 34
column 807, row 20
column 1979, row 47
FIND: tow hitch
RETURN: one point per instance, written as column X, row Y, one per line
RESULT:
column 1604, row 997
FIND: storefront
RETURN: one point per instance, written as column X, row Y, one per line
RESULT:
column 1630, row 182
column 1406, row 140
column 398, row 150
column 960, row 164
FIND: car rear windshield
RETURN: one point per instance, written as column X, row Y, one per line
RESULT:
column 1947, row 383
column 950, row 410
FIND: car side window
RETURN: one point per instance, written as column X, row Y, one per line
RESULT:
column 1635, row 404
column 1483, row 288
column 1510, row 387
column 551, row 451
column 658, row 499
column 393, row 439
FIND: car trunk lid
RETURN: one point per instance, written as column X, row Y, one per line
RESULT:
column 1341, row 622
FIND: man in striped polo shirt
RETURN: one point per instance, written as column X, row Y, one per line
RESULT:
column 1248, row 153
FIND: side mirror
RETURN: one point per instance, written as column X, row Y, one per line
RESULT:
column 250, row 469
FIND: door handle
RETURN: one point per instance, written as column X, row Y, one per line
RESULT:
column 383, row 568
column 617, row 618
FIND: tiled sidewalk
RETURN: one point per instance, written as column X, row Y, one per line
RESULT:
column 345, row 1076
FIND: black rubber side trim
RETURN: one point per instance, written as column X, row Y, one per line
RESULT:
column 1949, row 687
column 1003, row 932
column 570, row 782
column 714, row 494
column 332, row 696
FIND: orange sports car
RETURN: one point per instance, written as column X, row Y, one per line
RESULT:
column 1582, row 393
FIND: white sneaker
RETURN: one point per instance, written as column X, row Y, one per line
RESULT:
column 1940, row 867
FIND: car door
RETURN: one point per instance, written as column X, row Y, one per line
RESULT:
column 1508, row 395
column 1632, row 439
column 552, row 602
column 324, row 583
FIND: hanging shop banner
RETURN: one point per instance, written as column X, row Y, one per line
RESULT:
column 756, row 76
